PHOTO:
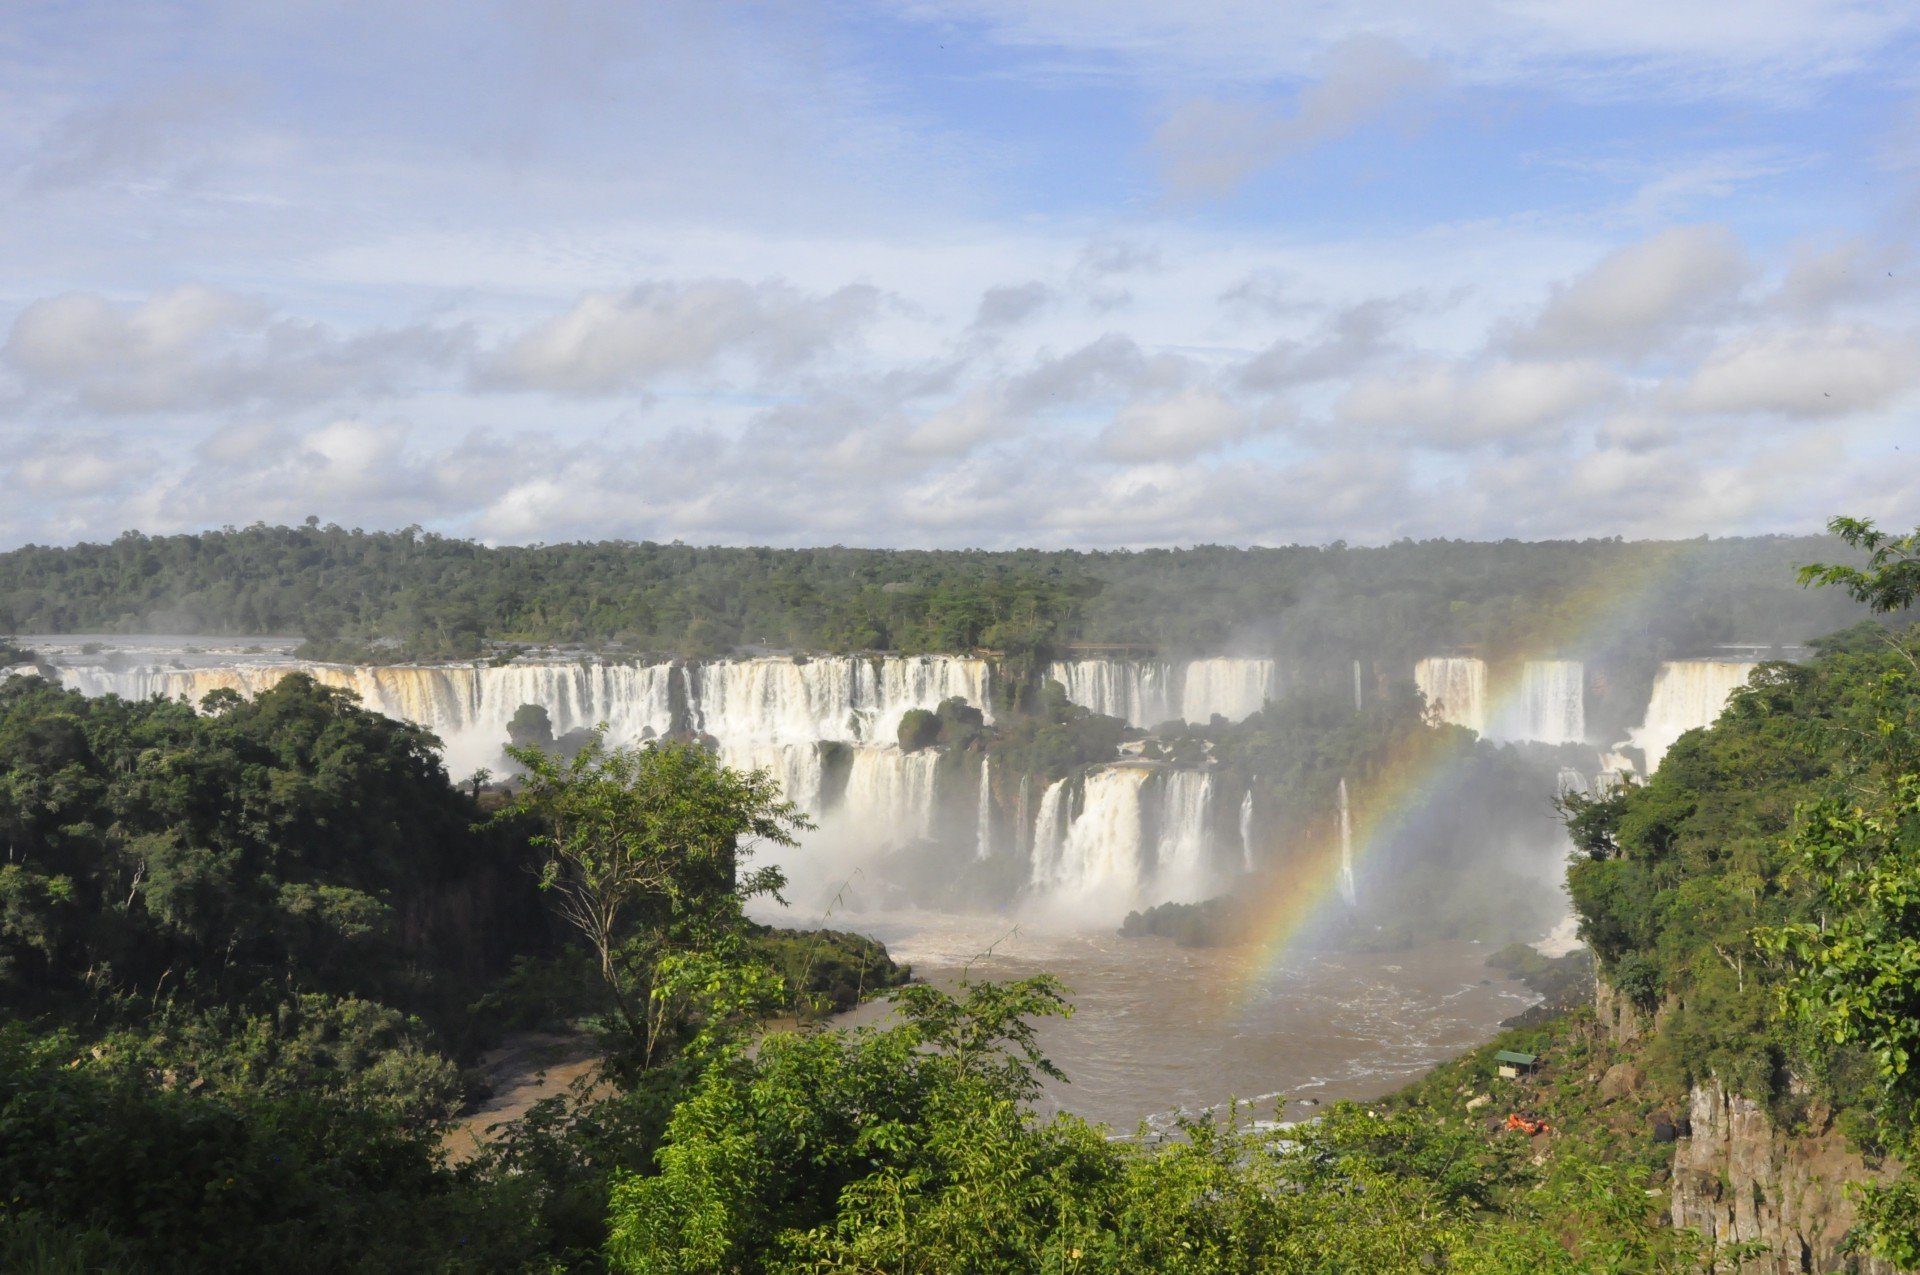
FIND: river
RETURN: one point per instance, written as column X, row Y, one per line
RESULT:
column 1158, row 1028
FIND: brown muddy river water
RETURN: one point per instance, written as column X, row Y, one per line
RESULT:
column 1158, row 1028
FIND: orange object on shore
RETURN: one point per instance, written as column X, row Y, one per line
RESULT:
column 1528, row 1125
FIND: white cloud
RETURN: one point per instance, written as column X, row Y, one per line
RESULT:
column 1636, row 296
column 615, row 341
column 195, row 347
column 1823, row 372
column 1446, row 406
column 1176, row 428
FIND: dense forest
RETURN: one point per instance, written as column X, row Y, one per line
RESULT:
column 412, row 594
column 240, row 951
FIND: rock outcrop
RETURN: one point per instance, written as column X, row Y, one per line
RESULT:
column 1738, row 1179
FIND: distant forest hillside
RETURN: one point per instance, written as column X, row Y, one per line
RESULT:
column 420, row 595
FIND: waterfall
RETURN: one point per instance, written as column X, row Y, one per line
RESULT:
column 1358, row 699
column 758, row 703
column 1246, row 829
column 1347, row 887
column 1552, row 705
column 1049, row 833
column 1182, row 868
column 1140, row 692
column 1097, row 864
column 1456, row 689
column 796, row 767
column 889, row 796
column 1570, row 781
column 983, row 816
column 1147, row 692
column 1235, row 689
column 467, row 706
column 1687, row 694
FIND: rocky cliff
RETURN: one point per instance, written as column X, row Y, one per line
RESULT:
column 1742, row 1181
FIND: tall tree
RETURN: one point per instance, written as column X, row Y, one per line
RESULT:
column 644, row 859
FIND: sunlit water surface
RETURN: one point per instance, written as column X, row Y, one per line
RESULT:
column 1158, row 1028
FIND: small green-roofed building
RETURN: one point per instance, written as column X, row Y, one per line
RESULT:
column 1513, row 1064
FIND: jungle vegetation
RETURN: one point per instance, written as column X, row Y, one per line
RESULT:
column 413, row 594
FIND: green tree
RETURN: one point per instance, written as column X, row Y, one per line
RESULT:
column 1891, row 579
column 644, row 861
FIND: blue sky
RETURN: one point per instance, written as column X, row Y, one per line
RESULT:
column 960, row 272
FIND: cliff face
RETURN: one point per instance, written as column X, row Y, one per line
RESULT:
column 1738, row 1179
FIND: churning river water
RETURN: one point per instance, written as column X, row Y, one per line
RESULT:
column 1158, row 1028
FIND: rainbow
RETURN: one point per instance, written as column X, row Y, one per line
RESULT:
column 1304, row 897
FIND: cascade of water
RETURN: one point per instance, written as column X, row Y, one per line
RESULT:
column 1100, row 859
column 1347, row 886
column 1570, row 781
column 1358, row 698
column 983, row 815
column 1140, row 692
column 1148, row 692
column 798, row 768
column 467, row 706
column 1231, row 688
column 1182, row 872
column 1246, row 829
column 1552, row 703
column 1456, row 689
column 1687, row 694
column 889, row 795
column 1049, row 833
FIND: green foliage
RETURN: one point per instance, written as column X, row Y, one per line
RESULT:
column 414, row 595
column 909, row 1149
column 918, row 729
column 238, row 859
column 644, row 850
column 828, row 971
column 102, row 1165
column 1890, row 581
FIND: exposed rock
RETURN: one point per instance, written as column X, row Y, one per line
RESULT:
column 1618, row 1017
column 1737, row 1178
column 1474, row 1104
column 1621, row 1080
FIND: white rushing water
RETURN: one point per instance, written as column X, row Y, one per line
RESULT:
column 1687, row 694
column 1246, row 829
column 1140, row 835
column 983, row 815
column 1147, row 692
column 1183, row 871
column 1547, row 707
column 741, row 703
column 1096, row 859
column 1349, row 889
column 1552, row 703
column 1456, row 689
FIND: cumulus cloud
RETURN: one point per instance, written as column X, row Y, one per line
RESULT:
column 1822, row 278
column 1350, row 340
column 611, row 342
column 1179, row 427
column 1446, row 406
column 197, row 347
column 1823, row 372
column 1114, row 366
column 1637, row 296
column 80, row 464
column 1011, row 304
